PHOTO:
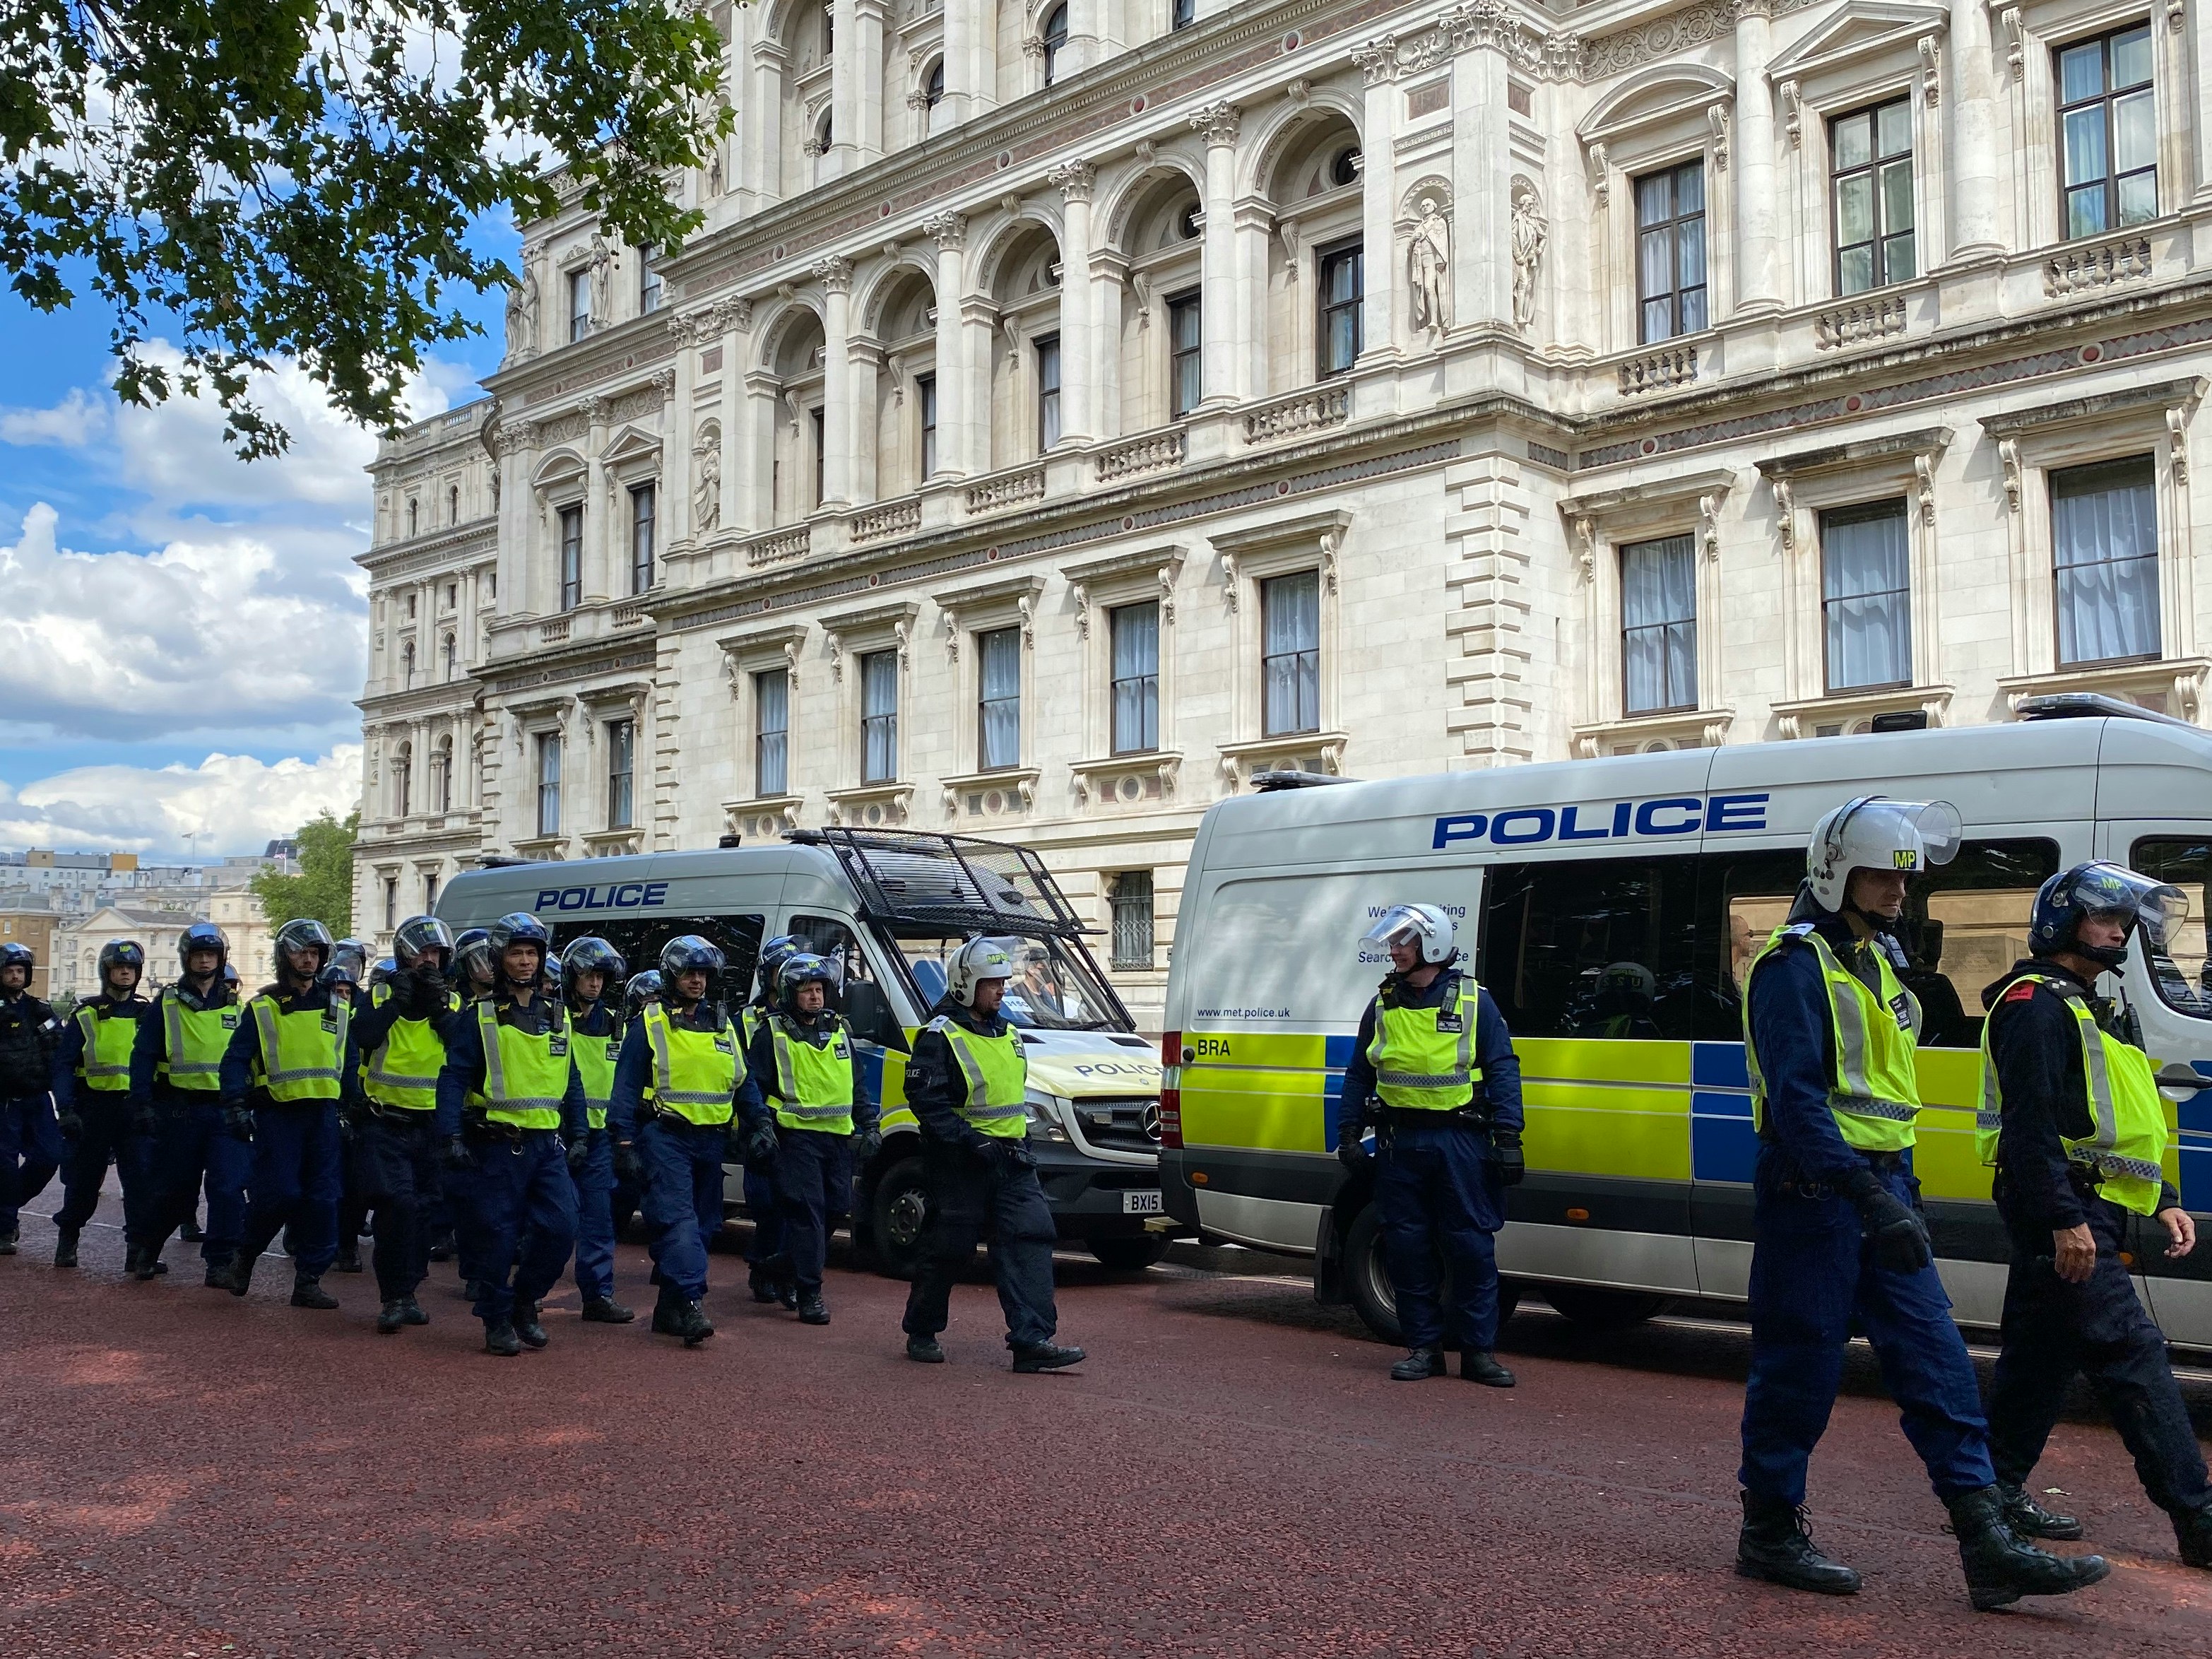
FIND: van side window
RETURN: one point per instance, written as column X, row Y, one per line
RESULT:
column 862, row 1001
column 2180, row 976
column 1593, row 948
column 641, row 940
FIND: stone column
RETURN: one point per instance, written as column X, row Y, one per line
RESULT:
column 1254, row 230
column 673, row 511
column 519, row 525
column 1378, row 67
column 956, row 451
column 1219, row 124
column 2197, row 97
column 1974, row 188
column 1081, row 50
column 1108, row 272
column 867, row 386
column 749, row 438
column 735, row 320
column 1078, row 305
column 759, row 162
column 867, row 65
column 599, row 528
column 847, row 118
column 968, row 87
column 1757, row 237
column 835, row 275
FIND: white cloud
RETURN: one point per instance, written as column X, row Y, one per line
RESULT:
column 69, row 424
column 231, row 803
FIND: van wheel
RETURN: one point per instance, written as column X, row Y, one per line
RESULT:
column 1603, row 1310
column 1369, row 1281
column 895, row 1218
column 1125, row 1255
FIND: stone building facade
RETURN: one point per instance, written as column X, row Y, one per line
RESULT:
column 1072, row 409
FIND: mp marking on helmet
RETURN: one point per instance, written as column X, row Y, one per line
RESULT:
column 1905, row 858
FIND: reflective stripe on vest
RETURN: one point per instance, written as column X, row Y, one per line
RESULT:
column 525, row 1072
column 107, row 1040
column 300, row 1056
column 2127, row 1140
column 998, row 1074
column 404, row 1071
column 696, row 1074
column 1874, row 1095
column 1424, row 1058
column 814, row 1082
column 595, row 1064
column 194, row 1040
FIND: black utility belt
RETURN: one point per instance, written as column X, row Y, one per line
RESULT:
column 483, row 1128
column 1464, row 1117
column 384, row 1111
column 662, row 1115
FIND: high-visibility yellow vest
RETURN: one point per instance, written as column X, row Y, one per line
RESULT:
column 998, row 1076
column 814, row 1082
column 302, row 1053
column 525, row 1072
column 108, row 1035
column 595, row 1064
column 1424, row 1058
column 696, row 1074
column 749, row 1021
column 2126, row 1147
column 193, row 1042
column 1875, row 1093
column 404, row 1071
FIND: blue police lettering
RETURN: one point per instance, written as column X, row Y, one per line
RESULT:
column 1666, row 815
column 1647, row 816
column 622, row 896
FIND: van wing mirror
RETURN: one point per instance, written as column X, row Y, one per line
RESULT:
column 870, row 1011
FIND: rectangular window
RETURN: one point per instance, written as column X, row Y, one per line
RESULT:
column 1289, row 659
column 391, row 903
column 430, row 891
column 772, row 732
column 1047, row 371
column 1870, row 157
column 580, row 304
column 818, row 419
column 1659, row 626
column 925, row 396
column 572, row 557
column 622, row 774
column 999, row 699
column 1866, row 599
column 642, row 504
column 1592, row 948
column 648, row 281
column 1343, row 291
column 549, row 784
column 2103, row 542
column 880, row 717
column 2177, row 971
column 2108, row 132
column 1133, row 921
column 1135, row 633
column 1186, row 372
column 1670, row 251
column 1182, row 14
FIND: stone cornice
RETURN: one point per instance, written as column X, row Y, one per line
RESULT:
column 392, row 560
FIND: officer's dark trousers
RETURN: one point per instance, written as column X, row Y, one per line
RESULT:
column 682, row 1198
column 595, row 1219
column 2053, row 1329
column 767, row 1244
column 109, row 1137
column 393, row 1159
column 1437, row 1194
column 192, row 1144
column 294, row 1182
column 972, row 1195
column 30, row 1153
column 522, row 1205
column 1813, row 1284
column 814, row 1191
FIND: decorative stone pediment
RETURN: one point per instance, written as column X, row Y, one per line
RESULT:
column 631, row 444
column 1655, row 93
column 1857, row 31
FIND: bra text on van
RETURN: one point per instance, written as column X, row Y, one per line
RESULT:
column 1669, row 815
column 622, row 896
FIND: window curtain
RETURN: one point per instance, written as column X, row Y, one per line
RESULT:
column 1869, row 613
column 879, row 686
column 2103, row 534
column 1136, row 678
column 1659, row 629
column 1292, row 651
column 1002, row 698
column 772, row 693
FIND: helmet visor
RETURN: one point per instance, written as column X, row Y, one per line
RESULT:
column 1932, row 830
column 2157, row 908
column 1401, row 924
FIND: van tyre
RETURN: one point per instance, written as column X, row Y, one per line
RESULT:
column 898, row 1210
column 1603, row 1310
column 1367, row 1281
column 1129, row 1254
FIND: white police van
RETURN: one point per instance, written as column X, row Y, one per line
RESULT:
column 1611, row 907
column 891, row 906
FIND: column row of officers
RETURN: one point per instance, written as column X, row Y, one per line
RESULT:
column 2070, row 1119
column 484, row 1098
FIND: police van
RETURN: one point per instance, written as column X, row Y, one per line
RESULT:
column 1612, row 907
column 892, row 907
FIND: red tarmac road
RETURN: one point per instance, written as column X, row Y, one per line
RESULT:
column 185, row 1475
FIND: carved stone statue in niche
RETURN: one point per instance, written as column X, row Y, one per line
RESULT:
column 522, row 317
column 1428, row 268
column 707, row 493
column 1530, row 233
column 603, row 284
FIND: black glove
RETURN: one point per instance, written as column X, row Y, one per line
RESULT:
column 759, row 1148
column 629, row 1168
column 580, row 1153
column 1511, row 1166
column 1901, row 1244
column 454, row 1154
column 1016, row 1154
column 70, row 1124
column 1351, row 1151
column 866, row 1144
column 238, row 1121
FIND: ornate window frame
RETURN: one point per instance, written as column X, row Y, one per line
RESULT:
column 743, row 656
column 1250, row 557
column 968, row 613
column 1096, row 589
column 850, row 635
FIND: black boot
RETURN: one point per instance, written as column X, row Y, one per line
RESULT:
column 2000, row 1569
column 132, row 1256
column 411, row 1311
column 924, row 1351
column 348, row 1260
column 237, row 1274
column 8, row 1241
column 811, row 1310
column 390, row 1318
column 2194, row 1533
column 1045, row 1357
column 190, row 1233
column 144, row 1263
column 1480, row 1365
column 762, row 1285
column 604, row 1310
column 1418, row 1364
column 691, row 1323
column 500, row 1338
column 442, row 1248
column 1775, row 1546
column 527, row 1325
column 2029, row 1519
column 308, row 1292
column 65, row 1247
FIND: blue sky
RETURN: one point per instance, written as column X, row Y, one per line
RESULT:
column 182, row 633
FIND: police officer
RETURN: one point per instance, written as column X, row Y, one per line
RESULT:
column 394, row 1148
column 345, row 975
column 1434, row 1068
column 30, row 1143
column 642, row 991
column 966, row 1085
column 681, row 1097
column 100, row 1124
column 282, row 1076
column 770, row 1271
column 508, row 1093
column 475, row 969
column 2072, row 1119
column 820, row 1114
column 1830, row 1038
column 590, row 979
column 176, row 1071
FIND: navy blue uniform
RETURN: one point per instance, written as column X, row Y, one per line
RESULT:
column 764, row 1249
column 1812, row 1277
column 1438, row 1185
column 30, row 1143
column 813, row 1180
column 391, row 1160
column 189, row 1141
column 595, row 1182
column 297, row 1176
column 2054, row 1329
column 110, row 1133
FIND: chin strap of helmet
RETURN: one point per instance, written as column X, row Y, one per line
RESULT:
column 2110, row 957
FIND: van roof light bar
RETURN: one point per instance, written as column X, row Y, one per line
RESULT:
column 2094, row 705
column 962, row 884
column 1266, row 783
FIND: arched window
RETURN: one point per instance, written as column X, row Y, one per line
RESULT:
column 932, row 89
column 407, row 665
column 824, row 135
column 1055, row 37
column 1344, row 169
column 453, row 505
column 441, row 777
column 450, row 655
column 414, row 512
